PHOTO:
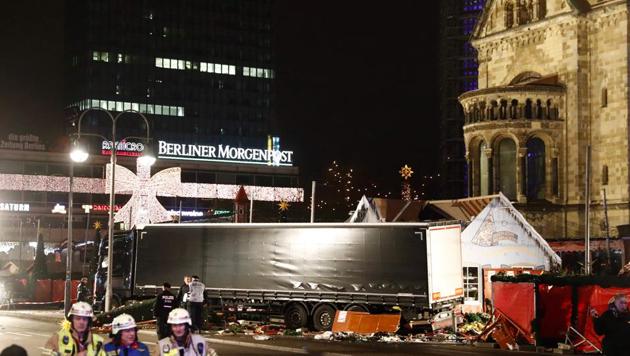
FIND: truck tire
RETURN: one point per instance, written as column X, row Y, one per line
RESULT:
column 323, row 317
column 295, row 316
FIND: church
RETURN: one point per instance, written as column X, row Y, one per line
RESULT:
column 551, row 109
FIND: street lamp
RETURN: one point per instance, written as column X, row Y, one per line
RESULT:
column 80, row 154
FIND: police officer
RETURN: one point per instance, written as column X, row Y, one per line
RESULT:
column 195, row 302
column 75, row 337
column 83, row 291
column 125, row 338
column 181, row 342
column 164, row 303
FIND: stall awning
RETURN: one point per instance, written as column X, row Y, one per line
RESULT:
column 578, row 245
column 462, row 209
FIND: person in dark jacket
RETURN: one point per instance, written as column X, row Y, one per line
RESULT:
column 83, row 291
column 164, row 303
column 614, row 324
column 182, row 295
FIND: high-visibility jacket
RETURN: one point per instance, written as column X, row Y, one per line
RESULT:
column 194, row 346
column 63, row 343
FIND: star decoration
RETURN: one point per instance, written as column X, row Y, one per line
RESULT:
column 283, row 206
column 97, row 225
column 143, row 206
column 405, row 172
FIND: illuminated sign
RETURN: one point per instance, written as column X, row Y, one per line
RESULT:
column 218, row 212
column 123, row 148
column 99, row 207
column 224, row 153
column 14, row 207
column 59, row 209
column 188, row 213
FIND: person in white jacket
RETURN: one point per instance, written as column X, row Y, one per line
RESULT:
column 181, row 341
column 196, row 299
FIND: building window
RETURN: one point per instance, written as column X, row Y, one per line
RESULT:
column 142, row 108
column 507, row 168
column 471, row 283
column 604, row 97
column 484, row 170
column 535, row 169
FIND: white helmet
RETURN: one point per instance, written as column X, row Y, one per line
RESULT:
column 122, row 322
column 81, row 309
column 179, row 316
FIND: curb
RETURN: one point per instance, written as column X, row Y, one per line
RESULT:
column 31, row 316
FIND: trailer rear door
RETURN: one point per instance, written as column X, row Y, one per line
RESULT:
column 444, row 262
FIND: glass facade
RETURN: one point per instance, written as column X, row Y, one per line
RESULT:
column 203, row 72
column 458, row 74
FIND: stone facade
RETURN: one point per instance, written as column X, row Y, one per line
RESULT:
column 553, row 79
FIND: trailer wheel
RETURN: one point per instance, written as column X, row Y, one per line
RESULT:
column 323, row 317
column 295, row 316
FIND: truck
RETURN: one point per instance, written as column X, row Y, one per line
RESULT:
column 300, row 272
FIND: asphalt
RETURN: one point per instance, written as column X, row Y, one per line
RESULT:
column 31, row 329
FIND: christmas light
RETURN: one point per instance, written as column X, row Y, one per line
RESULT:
column 143, row 205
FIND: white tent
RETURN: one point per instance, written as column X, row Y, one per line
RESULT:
column 500, row 237
column 365, row 212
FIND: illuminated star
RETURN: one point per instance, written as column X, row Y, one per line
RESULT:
column 97, row 225
column 283, row 206
column 405, row 172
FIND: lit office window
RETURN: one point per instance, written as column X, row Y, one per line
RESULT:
column 112, row 105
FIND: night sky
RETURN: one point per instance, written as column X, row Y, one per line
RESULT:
column 356, row 81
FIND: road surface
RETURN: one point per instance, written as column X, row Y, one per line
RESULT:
column 32, row 335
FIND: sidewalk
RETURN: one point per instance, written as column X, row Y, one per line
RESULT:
column 41, row 315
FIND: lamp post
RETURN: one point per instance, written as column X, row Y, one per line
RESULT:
column 80, row 154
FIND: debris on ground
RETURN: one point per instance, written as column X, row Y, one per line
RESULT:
column 261, row 337
column 327, row 335
column 269, row 329
column 293, row 332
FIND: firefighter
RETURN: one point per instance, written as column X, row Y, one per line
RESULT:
column 181, row 341
column 75, row 337
column 195, row 303
column 164, row 303
column 125, row 338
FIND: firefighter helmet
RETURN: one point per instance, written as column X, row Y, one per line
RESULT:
column 179, row 316
column 81, row 309
column 122, row 322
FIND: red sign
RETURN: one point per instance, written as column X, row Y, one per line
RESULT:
column 104, row 207
column 121, row 153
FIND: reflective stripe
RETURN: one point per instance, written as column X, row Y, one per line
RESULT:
column 67, row 346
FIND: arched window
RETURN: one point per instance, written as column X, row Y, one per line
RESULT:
column 539, row 109
column 535, row 169
column 509, row 19
column 528, row 109
column 484, row 170
column 507, row 167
